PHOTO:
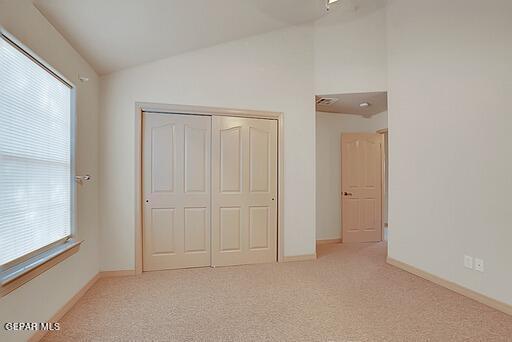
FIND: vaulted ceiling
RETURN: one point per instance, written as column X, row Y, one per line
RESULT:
column 115, row 34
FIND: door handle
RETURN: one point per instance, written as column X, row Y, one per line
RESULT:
column 347, row 193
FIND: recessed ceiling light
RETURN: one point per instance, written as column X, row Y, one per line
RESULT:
column 331, row 1
column 364, row 105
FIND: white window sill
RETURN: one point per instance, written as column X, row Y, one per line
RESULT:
column 18, row 275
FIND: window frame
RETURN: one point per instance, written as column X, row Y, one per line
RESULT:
column 16, row 270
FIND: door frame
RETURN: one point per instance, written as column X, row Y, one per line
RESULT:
column 141, row 107
column 385, row 175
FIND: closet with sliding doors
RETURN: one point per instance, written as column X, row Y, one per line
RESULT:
column 209, row 186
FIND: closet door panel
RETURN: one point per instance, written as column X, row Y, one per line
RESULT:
column 176, row 189
column 244, row 190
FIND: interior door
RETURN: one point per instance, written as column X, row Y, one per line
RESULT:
column 361, row 187
column 244, row 191
column 176, row 188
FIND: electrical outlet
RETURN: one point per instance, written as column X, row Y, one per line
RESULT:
column 468, row 261
column 479, row 265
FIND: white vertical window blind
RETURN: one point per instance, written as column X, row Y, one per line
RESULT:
column 35, row 156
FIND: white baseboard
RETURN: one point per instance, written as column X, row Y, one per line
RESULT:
column 38, row 335
column 493, row 303
column 120, row 273
column 300, row 257
column 328, row 241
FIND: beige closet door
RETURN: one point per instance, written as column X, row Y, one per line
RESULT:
column 244, row 190
column 361, row 186
column 176, row 188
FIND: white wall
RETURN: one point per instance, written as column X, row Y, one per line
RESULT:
column 350, row 57
column 272, row 72
column 329, row 127
column 350, row 48
column 450, row 153
column 280, row 71
column 39, row 299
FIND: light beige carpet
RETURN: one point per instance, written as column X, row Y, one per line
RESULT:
column 348, row 294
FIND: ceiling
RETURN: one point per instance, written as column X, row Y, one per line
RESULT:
column 115, row 34
column 349, row 103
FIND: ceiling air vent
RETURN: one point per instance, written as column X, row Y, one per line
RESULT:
column 325, row 101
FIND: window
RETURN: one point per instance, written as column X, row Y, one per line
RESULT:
column 36, row 164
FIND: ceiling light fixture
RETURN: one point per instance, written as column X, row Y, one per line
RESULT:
column 328, row 4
